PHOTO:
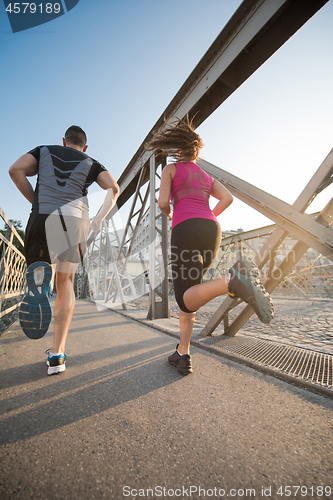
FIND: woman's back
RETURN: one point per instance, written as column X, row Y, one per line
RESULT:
column 191, row 188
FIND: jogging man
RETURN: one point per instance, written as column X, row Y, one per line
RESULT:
column 57, row 231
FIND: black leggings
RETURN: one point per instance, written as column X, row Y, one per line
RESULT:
column 194, row 246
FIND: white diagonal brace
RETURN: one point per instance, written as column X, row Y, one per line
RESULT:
column 286, row 216
column 256, row 30
column 321, row 176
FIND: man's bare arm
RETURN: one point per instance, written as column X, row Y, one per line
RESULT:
column 107, row 182
column 25, row 166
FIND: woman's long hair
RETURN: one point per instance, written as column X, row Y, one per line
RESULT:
column 176, row 139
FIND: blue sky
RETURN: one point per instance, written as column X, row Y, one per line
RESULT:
column 112, row 67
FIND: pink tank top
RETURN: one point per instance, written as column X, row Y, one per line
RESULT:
column 190, row 191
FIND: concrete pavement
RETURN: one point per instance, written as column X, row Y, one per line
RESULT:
column 121, row 422
column 301, row 322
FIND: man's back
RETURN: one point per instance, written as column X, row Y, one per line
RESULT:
column 64, row 175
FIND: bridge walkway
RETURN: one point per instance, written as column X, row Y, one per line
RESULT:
column 121, row 422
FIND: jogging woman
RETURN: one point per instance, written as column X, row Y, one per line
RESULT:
column 196, row 236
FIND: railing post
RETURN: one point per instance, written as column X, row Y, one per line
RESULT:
column 165, row 282
column 152, row 249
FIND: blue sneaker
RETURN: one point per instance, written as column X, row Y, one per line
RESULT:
column 35, row 311
column 245, row 284
column 56, row 364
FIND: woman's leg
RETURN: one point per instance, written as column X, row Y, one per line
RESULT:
column 244, row 283
column 195, row 297
column 198, row 295
column 201, row 293
column 192, row 258
column 186, row 323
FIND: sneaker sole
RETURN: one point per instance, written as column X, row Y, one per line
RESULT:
column 182, row 371
column 35, row 311
column 53, row 370
column 261, row 302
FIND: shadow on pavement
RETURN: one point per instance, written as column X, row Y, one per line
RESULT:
column 72, row 398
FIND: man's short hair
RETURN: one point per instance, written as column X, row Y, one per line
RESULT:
column 75, row 135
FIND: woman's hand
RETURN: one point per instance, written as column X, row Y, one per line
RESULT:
column 168, row 174
column 221, row 193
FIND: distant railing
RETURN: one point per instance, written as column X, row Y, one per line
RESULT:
column 12, row 273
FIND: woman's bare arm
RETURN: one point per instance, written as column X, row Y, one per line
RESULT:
column 223, row 195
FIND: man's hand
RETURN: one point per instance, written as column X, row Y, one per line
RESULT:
column 96, row 224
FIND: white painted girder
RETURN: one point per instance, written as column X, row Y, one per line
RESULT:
column 286, row 216
column 221, row 65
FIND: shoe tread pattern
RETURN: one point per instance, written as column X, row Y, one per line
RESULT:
column 260, row 301
column 35, row 311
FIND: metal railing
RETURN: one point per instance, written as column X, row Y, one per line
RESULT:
column 12, row 272
column 251, row 36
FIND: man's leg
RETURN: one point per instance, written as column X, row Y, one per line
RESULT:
column 63, row 309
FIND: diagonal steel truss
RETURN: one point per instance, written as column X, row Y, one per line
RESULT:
column 109, row 254
column 290, row 219
column 257, row 29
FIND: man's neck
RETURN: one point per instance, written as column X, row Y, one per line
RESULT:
column 74, row 146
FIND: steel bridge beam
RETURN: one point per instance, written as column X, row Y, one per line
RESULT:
column 247, row 235
column 256, row 30
column 281, row 271
column 269, row 206
column 286, row 216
